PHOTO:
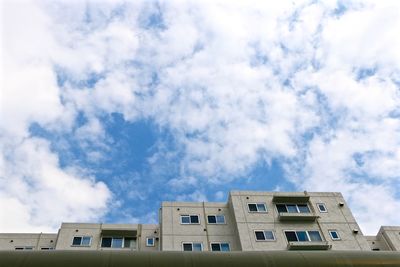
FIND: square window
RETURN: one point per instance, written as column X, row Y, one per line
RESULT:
column 86, row 240
column 215, row 247
column 211, row 219
column 281, row 208
column 303, row 208
column 77, row 241
column 117, row 242
column 302, row 236
column 261, row 207
column 185, row 219
column 220, row 219
column 150, row 241
column 187, row 247
column 106, row 242
column 291, row 236
column 194, row 219
column 321, row 207
column 225, row 247
column 315, row 236
column 259, row 235
column 269, row 235
column 197, row 247
column 334, row 234
column 129, row 242
column 252, row 207
column 292, row 208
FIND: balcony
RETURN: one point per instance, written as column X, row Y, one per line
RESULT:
column 297, row 217
column 290, row 198
column 316, row 245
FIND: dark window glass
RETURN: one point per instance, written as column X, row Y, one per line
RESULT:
column 321, row 207
column 303, row 208
column 334, row 235
column 302, row 236
column 211, row 219
column 215, row 247
column 187, row 247
column 314, row 236
column 252, row 207
column 19, row 248
column 106, row 242
column 281, row 208
column 194, row 219
column 77, row 241
column 129, row 242
column 260, row 235
column 291, row 236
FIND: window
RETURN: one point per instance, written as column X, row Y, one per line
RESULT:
column 216, row 219
column 293, row 208
column 264, row 235
column 220, row 246
column 191, row 246
column 81, row 241
column 303, row 236
column 24, row 248
column 46, row 248
column 150, row 241
column 257, row 207
column 118, row 242
column 334, row 234
column 321, row 207
column 190, row 219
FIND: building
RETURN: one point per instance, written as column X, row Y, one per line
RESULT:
column 249, row 221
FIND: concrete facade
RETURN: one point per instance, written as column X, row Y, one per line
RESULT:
column 249, row 221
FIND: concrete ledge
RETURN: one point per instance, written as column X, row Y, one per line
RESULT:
column 322, row 245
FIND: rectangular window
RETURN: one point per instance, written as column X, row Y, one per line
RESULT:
column 118, row 242
column 190, row 219
column 150, row 241
column 24, row 248
column 257, row 207
column 334, row 234
column 322, row 207
column 220, row 246
column 81, row 241
column 293, row 208
column 46, row 248
column 264, row 235
column 303, row 236
column 216, row 219
column 191, row 246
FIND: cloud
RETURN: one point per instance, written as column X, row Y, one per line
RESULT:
column 312, row 85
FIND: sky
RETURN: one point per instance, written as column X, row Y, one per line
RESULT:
column 109, row 108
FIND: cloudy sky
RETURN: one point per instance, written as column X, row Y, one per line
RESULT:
column 110, row 107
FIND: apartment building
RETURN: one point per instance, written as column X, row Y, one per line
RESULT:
column 249, row 221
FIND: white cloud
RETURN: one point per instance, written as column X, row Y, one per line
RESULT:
column 237, row 83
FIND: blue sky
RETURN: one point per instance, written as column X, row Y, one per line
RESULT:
column 110, row 107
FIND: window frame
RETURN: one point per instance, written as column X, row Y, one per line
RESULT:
column 192, row 244
column 118, row 237
column 216, row 221
column 220, row 246
column 265, row 239
column 190, row 220
column 323, row 205
column 24, row 248
column 82, row 237
column 307, row 235
column 257, row 203
column 293, row 204
column 337, row 233
column 150, row 238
